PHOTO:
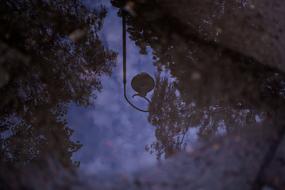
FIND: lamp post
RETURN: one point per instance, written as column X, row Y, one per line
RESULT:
column 142, row 83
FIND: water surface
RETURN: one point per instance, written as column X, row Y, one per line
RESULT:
column 62, row 90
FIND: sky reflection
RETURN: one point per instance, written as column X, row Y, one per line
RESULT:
column 113, row 134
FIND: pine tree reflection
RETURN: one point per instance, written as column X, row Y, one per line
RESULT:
column 52, row 56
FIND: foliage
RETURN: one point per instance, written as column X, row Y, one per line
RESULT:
column 52, row 56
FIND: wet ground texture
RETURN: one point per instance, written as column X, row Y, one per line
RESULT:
column 215, row 118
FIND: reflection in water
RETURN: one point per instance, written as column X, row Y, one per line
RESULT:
column 216, row 89
column 207, row 84
column 52, row 56
column 113, row 134
column 142, row 83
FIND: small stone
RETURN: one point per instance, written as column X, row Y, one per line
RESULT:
column 77, row 35
column 267, row 187
column 252, row 6
column 216, row 146
column 195, row 76
column 218, row 31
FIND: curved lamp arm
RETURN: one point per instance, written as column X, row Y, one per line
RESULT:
column 125, row 65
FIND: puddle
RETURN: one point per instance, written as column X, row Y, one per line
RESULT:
column 62, row 81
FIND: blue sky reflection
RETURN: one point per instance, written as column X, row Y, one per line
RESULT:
column 113, row 134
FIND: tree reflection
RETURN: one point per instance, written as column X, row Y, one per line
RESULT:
column 227, row 100
column 51, row 55
column 216, row 88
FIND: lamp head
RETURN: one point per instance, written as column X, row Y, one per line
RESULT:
column 143, row 83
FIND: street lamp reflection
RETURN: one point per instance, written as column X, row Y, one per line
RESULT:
column 142, row 83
